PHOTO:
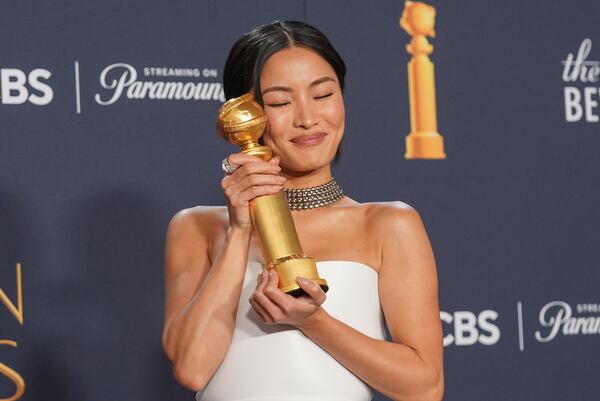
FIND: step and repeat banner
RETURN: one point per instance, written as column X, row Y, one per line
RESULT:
column 107, row 128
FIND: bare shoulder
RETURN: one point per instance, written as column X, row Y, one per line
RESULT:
column 389, row 217
column 383, row 231
column 200, row 214
column 191, row 237
column 198, row 222
column 398, row 233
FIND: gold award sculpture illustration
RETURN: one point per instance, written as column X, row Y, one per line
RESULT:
column 424, row 141
column 241, row 121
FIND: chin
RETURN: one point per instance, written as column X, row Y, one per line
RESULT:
column 306, row 165
column 304, row 160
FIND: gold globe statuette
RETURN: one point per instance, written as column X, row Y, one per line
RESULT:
column 241, row 121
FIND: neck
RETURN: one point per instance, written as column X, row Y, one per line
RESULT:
column 307, row 179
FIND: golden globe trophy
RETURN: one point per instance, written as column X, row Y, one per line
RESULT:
column 424, row 141
column 241, row 121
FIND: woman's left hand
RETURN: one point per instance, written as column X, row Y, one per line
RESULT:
column 276, row 307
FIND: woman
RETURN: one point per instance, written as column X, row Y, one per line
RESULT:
column 229, row 332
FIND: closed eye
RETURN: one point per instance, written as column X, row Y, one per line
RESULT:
column 324, row 96
column 278, row 104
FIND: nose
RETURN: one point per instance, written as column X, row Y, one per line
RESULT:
column 307, row 113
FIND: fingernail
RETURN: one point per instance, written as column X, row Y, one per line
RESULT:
column 302, row 280
column 280, row 178
column 271, row 273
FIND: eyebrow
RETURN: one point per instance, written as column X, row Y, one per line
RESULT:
column 288, row 89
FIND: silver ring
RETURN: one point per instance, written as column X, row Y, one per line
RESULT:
column 227, row 167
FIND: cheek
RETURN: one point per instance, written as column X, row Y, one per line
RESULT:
column 335, row 113
column 278, row 123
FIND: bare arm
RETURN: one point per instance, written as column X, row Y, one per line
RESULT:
column 202, row 299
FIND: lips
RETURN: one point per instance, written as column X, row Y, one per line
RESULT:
column 310, row 139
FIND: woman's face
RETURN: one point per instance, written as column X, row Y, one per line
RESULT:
column 305, row 109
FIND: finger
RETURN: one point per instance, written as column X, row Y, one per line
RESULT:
column 313, row 289
column 257, row 167
column 278, row 297
column 249, row 170
column 261, row 298
column 274, row 311
column 243, row 198
column 241, row 162
column 262, row 281
column 261, row 179
column 260, row 311
column 241, row 183
column 238, row 194
column 232, row 163
column 239, row 159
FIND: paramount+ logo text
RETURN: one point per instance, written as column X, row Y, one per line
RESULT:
column 20, row 86
column 463, row 328
column 122, row 80
column 558, row 318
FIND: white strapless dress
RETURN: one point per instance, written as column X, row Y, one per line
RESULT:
column 279, row 363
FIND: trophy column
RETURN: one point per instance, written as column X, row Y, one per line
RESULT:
column 241, row 121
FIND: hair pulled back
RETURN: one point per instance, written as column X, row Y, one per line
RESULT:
column 251, row 51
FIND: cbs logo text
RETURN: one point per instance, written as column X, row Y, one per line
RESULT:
column 467, row 328
column 17, row 87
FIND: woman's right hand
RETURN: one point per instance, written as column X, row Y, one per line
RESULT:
column 252, row 178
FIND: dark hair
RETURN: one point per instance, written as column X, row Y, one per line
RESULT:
column 250, row 52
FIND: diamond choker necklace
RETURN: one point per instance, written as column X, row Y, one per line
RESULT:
column 314, row 197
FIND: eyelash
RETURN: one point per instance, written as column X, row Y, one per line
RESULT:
column 324, row 96
column 277, row 104
column 285, row 103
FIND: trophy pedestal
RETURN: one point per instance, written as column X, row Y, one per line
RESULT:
column 290, row 268
column 425, row 145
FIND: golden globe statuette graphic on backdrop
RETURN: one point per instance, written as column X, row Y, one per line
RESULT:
column 17, row 312
column 241, row 121
column 424, row 140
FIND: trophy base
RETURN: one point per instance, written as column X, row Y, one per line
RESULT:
column 424, row 145
column 296, row 292
column 289, row 269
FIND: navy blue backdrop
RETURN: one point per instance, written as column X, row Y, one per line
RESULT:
column 92, row 169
